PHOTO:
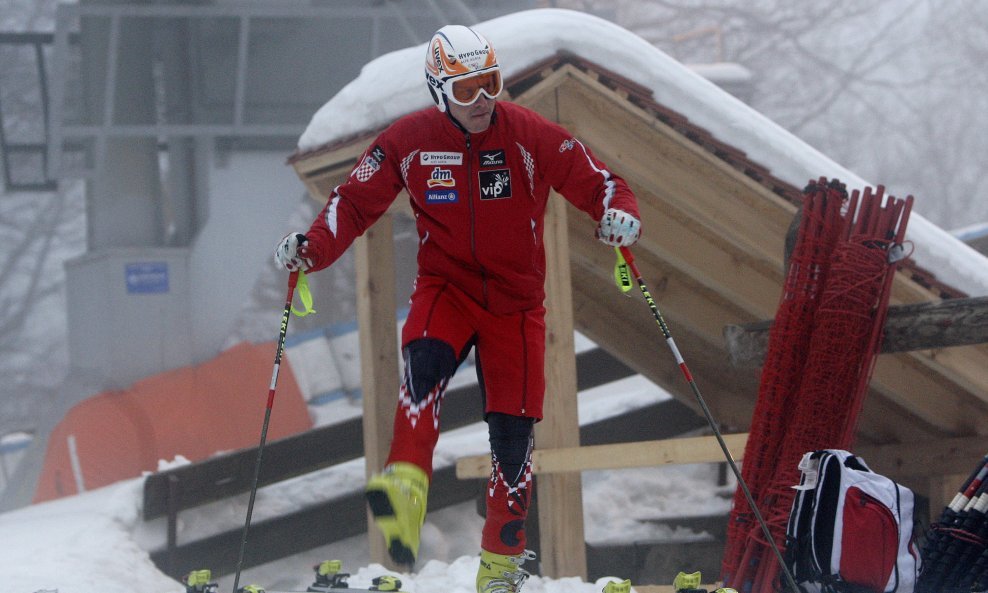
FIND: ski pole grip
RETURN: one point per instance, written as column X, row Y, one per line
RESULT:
column 293, row 279
column 629, row 259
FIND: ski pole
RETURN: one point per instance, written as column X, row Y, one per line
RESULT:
column 624, row 256
column 292, row 281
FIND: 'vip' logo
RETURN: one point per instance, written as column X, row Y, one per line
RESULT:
column 495, row 184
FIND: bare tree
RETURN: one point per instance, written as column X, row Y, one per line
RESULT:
column 892, row 89
column 38, row 231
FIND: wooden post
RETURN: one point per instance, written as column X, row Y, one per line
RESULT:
column 560, row 497
column 379, row 371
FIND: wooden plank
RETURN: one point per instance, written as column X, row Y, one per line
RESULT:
column 233, row 473
column 302, row 529
column 944, row 456
column 933, row 468
column 961, row 366
column 617, row 456
column 636, row 144
column 560, row 498
column 664, row 420
column 324, row 170
column 379, row 369
column 690, row 304
column 625, row 324
column 272, row 539
column 656, row 561
column 917, row 326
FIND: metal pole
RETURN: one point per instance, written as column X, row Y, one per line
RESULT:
column 292, row 281
column 630, row 260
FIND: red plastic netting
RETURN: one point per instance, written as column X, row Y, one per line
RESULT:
column 820, row 228
column 817, row 368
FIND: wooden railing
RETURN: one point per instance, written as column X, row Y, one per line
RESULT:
column 703, row 449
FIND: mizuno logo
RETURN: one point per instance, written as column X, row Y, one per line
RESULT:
column 492, row 158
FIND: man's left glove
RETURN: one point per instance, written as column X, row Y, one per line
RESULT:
column 291, row 252
column 618, row 228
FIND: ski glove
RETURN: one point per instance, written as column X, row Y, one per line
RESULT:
column 618, row 228
column 291, row 252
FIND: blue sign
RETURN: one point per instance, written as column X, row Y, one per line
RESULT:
column 146, row 277
column 441, row 196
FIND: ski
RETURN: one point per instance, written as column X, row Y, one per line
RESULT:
column 329, row 579
column 248, row 589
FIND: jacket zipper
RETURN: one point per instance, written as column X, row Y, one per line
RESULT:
column 473, row 218
column 524, row 342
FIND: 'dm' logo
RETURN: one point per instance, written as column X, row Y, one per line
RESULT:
column 441, row 178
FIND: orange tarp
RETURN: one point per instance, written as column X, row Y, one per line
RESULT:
column 194, row 411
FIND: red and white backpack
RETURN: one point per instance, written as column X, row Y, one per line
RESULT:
column 850, row 530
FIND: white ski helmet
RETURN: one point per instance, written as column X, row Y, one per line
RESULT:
column 460, row 64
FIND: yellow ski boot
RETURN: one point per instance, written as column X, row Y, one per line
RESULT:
column 502, row 574
column 397, row 498
column 688, row 583
column 386, row 583
column 617, row 587
column 198, row 581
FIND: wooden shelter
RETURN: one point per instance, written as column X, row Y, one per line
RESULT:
column 712, row 252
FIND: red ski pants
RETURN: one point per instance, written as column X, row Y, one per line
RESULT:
column 510, row 353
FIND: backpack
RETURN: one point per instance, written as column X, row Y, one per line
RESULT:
column 850, row 530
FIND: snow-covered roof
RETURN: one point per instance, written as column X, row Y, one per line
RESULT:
column 393, row 85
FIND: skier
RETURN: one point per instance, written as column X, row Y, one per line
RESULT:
column 478, row 174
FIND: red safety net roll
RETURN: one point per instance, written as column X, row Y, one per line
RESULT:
column 820, row 227
column 814, row 391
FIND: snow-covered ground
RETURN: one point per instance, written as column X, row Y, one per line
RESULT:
column 97, row 542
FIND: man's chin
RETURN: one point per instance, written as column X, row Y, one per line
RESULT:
column 479, row 122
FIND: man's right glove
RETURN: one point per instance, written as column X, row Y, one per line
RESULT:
column 291, row 252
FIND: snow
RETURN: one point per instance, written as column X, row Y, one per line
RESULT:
column 97, row 543
column 393, row 85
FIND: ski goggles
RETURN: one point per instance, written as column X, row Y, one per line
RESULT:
column 466, row 89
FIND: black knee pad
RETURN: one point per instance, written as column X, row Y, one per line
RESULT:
column 428, row 361
column 511, row 443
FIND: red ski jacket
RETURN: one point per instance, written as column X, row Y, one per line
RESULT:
column 479, row 199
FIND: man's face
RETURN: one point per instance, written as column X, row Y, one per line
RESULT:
column 475, row 117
